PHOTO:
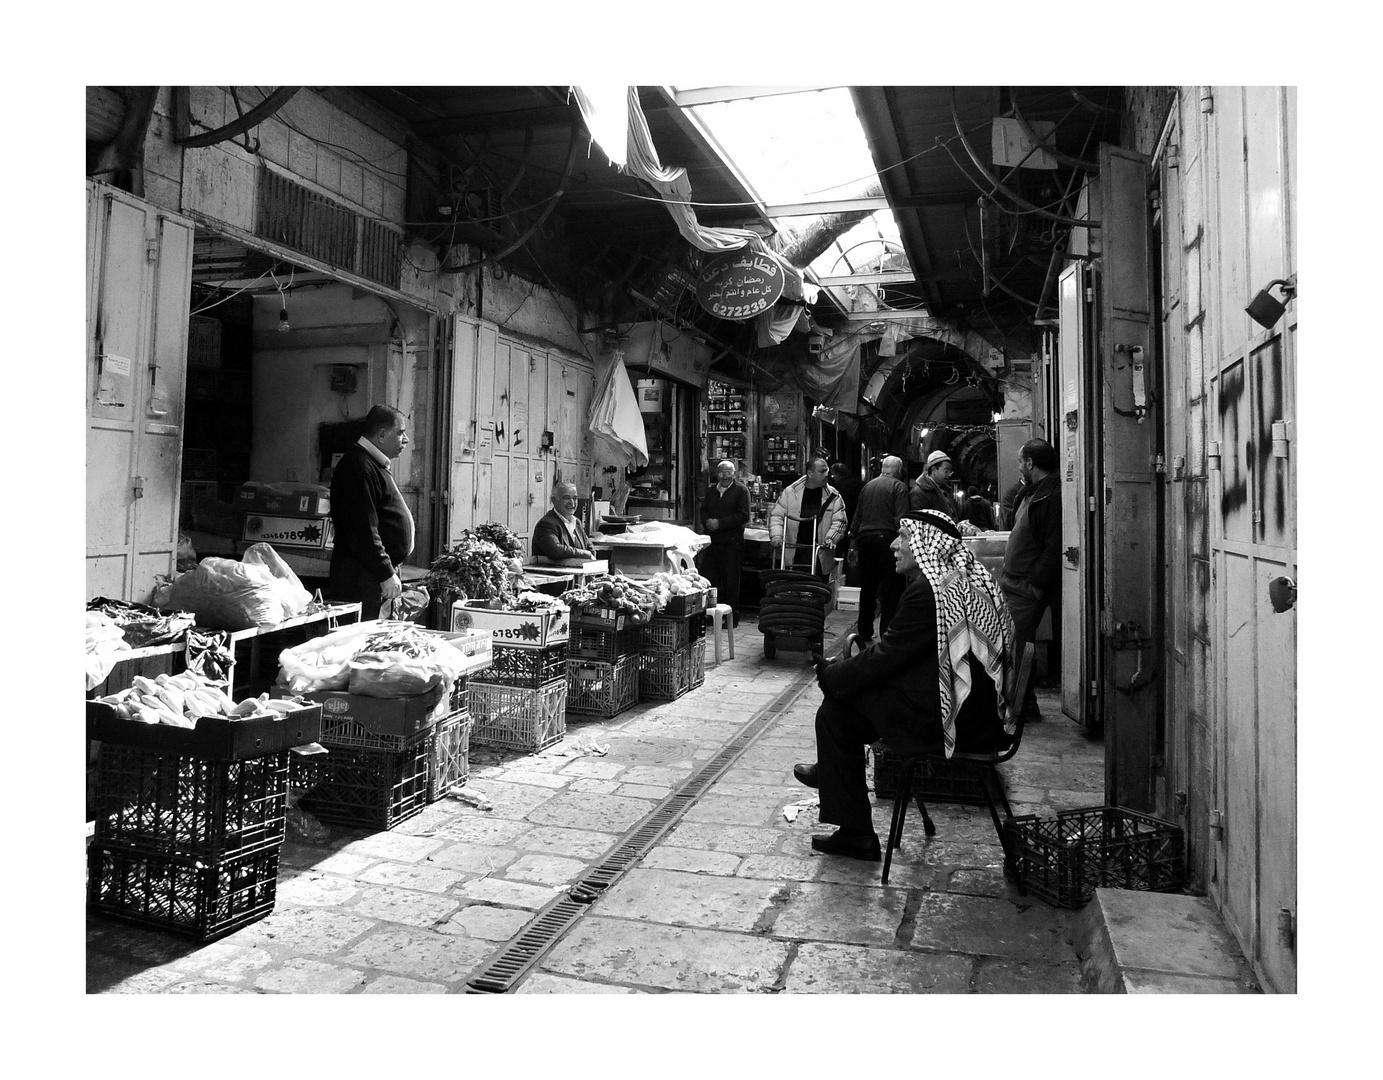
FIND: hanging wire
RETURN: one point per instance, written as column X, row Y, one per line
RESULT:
column 232, row 296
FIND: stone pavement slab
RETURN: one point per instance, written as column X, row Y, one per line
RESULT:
column 650, row 955
column 982, row 926
column 816, row 911
column 678, row 898
column 852, row 969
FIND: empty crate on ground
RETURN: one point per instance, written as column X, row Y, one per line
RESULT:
column 516, row 718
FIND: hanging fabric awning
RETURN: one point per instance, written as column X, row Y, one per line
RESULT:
column 615, row 418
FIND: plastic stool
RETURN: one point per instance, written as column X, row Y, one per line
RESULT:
column 723, row 617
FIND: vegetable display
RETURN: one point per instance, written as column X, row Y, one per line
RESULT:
column 639, row 599
column 481, row 565
column 180, row 700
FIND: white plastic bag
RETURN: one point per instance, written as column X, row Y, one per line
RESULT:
column 323, row 663
column 285, row 583
column 399, row 674
column 229, row 595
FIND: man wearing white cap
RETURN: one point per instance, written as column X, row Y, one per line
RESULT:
column 932, row 490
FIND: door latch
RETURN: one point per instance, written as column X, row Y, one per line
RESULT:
column 1073, row 556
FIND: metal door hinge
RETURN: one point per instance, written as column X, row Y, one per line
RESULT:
column 151, row 250
column 137, row 487
column 1090, row 504
column 1159, row 464
column 1173, row 156
column 1217, row 825
column 1089, row 294
column 1212, row 457
column 1286, row 928
column 1179, row 467
column 1094, row 688
column 1207, row 100
column 1180, row 799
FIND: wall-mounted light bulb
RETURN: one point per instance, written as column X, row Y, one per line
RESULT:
column 283, row 321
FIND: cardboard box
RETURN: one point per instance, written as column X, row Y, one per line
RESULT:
column 295, row 531
column 535, row 628
column 382, row 716
column 283, row 500
column 848, row 598
column 475, row 645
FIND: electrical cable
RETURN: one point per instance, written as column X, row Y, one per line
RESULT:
column 232, row 296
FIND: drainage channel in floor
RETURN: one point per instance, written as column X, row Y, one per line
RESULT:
column 503, row 971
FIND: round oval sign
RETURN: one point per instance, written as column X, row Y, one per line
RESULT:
column 740, row 284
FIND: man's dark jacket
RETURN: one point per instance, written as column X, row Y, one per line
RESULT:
column 371, row 521
column 883, row 501
column 1033, row 553
column 552, row 539
column 731, row 511
column 927, row 494
column 895, row 683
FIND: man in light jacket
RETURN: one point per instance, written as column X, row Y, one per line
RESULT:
column 810, row 498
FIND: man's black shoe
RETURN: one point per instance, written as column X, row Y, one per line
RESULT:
column 805, row 774
column 863, row 846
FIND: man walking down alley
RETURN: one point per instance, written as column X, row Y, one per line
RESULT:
column 724, row 514
column 1031, row 575
column 374, row 528
column 882, row 503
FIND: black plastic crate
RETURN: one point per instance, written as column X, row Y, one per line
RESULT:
column 182, row 894
column 459, row 696
column 368, row 789
column 666, row 677
column 667, row 635
column 450, row 764
column 686, row 604
column 177, row 804
column 1065, row 860
column 514, row 718
column 595, row 689
column 935, row 781
column 520, row 665
column 603, row 645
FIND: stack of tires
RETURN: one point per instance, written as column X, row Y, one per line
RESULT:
column 793, row 606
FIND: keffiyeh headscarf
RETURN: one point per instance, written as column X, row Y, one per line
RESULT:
column 971, row 616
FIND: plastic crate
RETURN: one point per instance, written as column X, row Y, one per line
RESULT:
column 1065, row 860
column 460, row 699
column 935, row 781
column 604, row 645
column 180, row 893
column 600, row 618
column 169, row 804
column 450, row 763
column 686, row 604
column 595, row 689
column 519, row 665
column 667, row 676
column 515, row 718
column 372, row 789
column 667, row 635
column 342, row 732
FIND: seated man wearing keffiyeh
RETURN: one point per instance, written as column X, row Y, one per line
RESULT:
column 933, row 683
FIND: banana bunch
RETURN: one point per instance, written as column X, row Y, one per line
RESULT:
column 180, row 700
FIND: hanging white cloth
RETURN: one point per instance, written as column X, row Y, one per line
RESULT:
column 615, row 416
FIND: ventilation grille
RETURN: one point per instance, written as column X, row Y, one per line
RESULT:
column 291, row 215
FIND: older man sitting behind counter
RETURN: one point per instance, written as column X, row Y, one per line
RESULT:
column 558, row 536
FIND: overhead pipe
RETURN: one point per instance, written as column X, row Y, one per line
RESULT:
column 1031, row 133
column 552, row 205
column 997, row 185
column 1093, row 106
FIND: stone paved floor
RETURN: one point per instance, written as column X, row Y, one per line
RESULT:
column 731, row 900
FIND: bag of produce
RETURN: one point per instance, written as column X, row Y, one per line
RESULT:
column 227, row 595
column 323, row 663
column 400, row 660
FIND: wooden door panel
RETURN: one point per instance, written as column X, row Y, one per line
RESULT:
column 120, row 312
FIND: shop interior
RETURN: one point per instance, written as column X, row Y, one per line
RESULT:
column 282, row 363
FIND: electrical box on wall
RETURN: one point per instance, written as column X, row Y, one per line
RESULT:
column 345, row 378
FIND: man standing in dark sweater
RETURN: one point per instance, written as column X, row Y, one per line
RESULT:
column 374, row 528
column 724, row 514
column 883, row 503
column 1031, row 577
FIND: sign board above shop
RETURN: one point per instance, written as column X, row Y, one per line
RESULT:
column 740, row 284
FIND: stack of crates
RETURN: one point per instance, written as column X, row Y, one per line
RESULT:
column 672, row 649
column 603, row 667
column 189, row 826
column 519, row 701
column 383, row 759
